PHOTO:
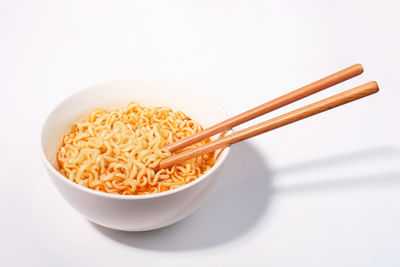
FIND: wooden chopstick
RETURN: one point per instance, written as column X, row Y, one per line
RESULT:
column 279, row 121
column 269, row 106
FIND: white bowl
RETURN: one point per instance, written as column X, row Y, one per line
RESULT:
column 131, row 213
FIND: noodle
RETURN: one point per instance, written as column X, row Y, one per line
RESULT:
column 117, row 151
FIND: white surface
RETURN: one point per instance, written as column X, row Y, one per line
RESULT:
column 132, row 213
column 323, row 192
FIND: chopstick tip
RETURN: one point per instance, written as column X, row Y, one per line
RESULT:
column 359, row 67
column 375, row 85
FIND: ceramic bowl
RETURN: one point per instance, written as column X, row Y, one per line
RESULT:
column 131, row 213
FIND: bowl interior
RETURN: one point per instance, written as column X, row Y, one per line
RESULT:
column 119, row 93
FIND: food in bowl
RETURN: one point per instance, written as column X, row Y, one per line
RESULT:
column 117, row 151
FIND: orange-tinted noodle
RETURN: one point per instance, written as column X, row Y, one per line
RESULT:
column 116, row 151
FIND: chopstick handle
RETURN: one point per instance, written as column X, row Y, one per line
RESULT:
column 271, row 124
column 269, row 106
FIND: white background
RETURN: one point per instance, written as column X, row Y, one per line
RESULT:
column 322, row 192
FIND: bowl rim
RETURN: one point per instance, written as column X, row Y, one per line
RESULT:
column 54, row 171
